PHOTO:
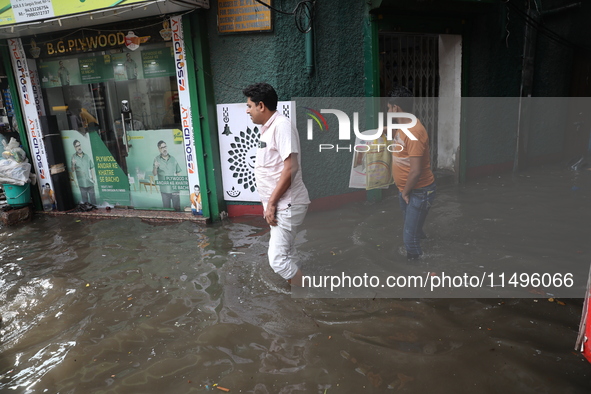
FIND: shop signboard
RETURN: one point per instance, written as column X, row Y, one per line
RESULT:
column 23, row 11
column 239, row 16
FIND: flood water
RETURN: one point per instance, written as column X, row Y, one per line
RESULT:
column 123, row 306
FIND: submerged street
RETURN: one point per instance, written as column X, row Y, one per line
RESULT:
column 123, row 306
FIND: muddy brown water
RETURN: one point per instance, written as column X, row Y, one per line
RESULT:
column 123, row 306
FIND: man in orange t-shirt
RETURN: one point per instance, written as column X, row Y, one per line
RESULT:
column 411, row 169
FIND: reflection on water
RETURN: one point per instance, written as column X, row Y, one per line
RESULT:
column 122, row 306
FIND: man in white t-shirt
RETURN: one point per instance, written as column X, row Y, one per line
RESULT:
column 279, row 179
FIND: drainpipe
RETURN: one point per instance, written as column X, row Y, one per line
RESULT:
column 526, row 88
column 310, row 51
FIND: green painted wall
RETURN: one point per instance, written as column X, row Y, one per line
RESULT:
column 279, row 58
column 495, row 71
column 492, row 68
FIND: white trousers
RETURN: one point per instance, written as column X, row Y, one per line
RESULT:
column 283, row 256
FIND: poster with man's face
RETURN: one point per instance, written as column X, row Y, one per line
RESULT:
column 75, row 144
column 146, row 148
column 127, row 66
column 56, row 73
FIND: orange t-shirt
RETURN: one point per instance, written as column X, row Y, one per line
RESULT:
column 401, row 160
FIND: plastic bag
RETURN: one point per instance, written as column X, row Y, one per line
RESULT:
column 14, row 173
column 378, row 165
column 13, row 151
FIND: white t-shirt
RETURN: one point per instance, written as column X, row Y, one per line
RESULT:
column 278, row 140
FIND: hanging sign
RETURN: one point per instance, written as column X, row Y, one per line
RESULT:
column 23, row 11
column 237, row 16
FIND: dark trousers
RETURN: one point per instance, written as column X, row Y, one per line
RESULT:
column 173, row 199
column 88, row 194
column 414, row 214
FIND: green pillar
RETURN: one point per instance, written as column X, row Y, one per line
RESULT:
column 204, row 114
column 372, row 80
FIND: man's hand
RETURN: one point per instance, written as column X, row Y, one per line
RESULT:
column 406, row 197
column 413, row 177
column 270, row 213
column 283, row 184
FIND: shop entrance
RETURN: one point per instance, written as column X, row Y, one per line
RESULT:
column 119, row 117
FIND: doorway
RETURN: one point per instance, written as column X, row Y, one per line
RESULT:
column 430, row 65
column 412, row 61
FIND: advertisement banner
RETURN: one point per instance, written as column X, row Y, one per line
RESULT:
column 158, row 63
column 157, row 174
column 22, row 11
column 125, row 66
column 36, row 87
column 27, row 97
column 239, row 138
column 64, row 72
column 185, row 103
column 95, row 69
column 95, row 176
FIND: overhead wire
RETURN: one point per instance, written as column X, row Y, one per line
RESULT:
column 544, row 30
column 302, row 12
column 507, row 27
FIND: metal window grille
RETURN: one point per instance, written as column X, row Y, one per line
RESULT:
column 412, row 60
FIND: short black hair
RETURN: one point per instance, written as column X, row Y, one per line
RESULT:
column 402, row 97
column 262, row 92
column 160, row 143
column 76, row 142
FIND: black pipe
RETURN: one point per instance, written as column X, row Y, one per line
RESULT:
column 56, row 159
